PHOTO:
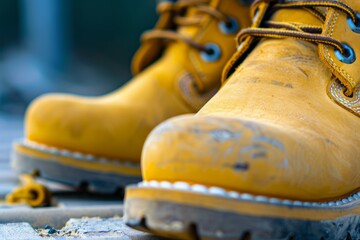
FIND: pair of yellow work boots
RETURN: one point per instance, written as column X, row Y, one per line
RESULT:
column 274, row 154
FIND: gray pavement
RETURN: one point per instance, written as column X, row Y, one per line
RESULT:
column 18, row 231
column 11, row 128
column 83, row 228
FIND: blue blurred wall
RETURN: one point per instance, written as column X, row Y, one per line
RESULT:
column 106, row 32
column 75, row 46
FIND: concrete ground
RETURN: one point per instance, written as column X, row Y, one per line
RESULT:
column 84, row 228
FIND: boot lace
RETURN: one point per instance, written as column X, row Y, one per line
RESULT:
column 178, row 12
column 311, row 33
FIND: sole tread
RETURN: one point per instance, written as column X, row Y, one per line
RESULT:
column 174, row 219
column 92, row 181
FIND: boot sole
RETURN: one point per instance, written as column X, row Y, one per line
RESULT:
column 182, row 212
column 74, row 169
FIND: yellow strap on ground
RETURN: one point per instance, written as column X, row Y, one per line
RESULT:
column 29, row 192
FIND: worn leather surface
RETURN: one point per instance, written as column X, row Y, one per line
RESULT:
column 273, row 129
column 117, row 124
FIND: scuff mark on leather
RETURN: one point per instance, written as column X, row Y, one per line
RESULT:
column 222, row 135
column 270, row 141
column 241, row 166
column 281, row 84
column 261, row 154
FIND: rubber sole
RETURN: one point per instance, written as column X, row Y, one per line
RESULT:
column 185, row 213
column 74, row 169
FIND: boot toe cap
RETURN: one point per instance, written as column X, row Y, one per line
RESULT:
column 86, row 125
column 234, row 154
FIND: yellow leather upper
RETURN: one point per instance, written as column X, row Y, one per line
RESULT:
column 116, row 125
column 275, row 128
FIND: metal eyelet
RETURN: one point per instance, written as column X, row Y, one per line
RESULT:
column 212, row 54
column 230, row 27
column 355, row 27
column 349, row 55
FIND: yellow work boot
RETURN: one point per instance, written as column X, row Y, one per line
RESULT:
column 98, row 141
column 275, row 153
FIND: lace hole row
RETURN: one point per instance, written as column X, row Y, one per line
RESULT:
column 213, row 52
column 349, row 56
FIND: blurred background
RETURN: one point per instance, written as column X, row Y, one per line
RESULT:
column 74, row 46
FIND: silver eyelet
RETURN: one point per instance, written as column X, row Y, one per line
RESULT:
column 355, row 27
column 348, row 57
column 212, row 54
column 230, row 27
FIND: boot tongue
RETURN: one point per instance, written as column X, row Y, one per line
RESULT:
column 296, row 15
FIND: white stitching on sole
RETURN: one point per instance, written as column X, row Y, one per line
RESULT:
column 76, row 155
column 217, row 191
